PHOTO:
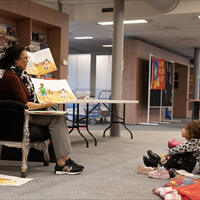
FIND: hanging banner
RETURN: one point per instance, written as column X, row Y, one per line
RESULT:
column 158, row 74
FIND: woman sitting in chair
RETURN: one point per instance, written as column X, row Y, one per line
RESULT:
column 16, row 85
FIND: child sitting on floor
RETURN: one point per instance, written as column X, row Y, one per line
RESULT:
column 184, row 156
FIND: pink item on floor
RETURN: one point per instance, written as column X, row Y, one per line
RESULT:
column 173, row 144
column 144, row 170
column 167, row 193
column 160, row 173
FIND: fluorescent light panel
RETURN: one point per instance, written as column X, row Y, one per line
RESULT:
column 107, row 45
column 125, row 22
column 83, row 38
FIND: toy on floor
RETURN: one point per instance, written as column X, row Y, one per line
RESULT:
column 173, row 144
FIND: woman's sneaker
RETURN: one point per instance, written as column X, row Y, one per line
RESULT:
column 67, row 169
column 160, row 173
column 71, row 162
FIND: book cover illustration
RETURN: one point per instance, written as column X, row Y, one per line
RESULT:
column 11, row 30
column 40, row 62
column 3, row 40
column 3, row 29
column 56, row 91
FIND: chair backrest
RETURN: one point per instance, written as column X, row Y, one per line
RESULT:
column 1, row 75
column 11, row 120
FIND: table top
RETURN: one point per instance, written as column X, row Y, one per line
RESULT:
column 99, row 101
column 193, row 100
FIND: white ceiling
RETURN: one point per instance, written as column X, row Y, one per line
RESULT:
column 177, row 31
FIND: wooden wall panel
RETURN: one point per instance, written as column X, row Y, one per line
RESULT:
column 39, row 28
column 145, row 49
column 64, row 45
column 24, row 27
column 54, row 38
column 129, row 80
column 180, row 94
column 7, row 20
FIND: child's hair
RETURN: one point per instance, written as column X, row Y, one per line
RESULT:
column 193, row 128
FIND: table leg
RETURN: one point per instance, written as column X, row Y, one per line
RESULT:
column 121, row 122
column 124, row 122
column 73, row 120
column 87, row 145
column 87, row 116
column 195, row 113
column 111, row 119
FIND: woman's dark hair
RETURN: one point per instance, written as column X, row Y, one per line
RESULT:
column 193, row 128
column 11, row 54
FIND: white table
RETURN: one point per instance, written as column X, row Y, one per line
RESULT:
column 75, row 124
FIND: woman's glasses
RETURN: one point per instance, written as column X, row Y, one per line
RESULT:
column 26, row 58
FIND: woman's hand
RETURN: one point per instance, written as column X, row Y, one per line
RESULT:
column 36, row 106
column 39, row 76
column 48, row 104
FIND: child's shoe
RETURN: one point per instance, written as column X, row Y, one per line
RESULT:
column 143, row 169
column 154, row 156
column 149, row 162
column 160, row 173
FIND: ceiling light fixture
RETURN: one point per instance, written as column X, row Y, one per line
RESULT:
column 83, row 38
column 198, row 16
column 107, row 45
column 125, row 22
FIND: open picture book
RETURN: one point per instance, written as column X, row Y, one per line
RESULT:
column 40, row 62
column 56, row 91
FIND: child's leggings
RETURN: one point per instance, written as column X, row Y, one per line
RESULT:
column 184, row 161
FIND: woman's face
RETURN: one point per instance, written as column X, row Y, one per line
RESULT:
column 22, row 61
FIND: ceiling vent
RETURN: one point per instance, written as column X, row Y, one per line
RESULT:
column 105, row 10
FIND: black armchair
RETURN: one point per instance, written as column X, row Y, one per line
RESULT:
column 15, row 131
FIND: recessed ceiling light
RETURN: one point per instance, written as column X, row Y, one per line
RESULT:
column 107, row 45
column 198, row 16
column 135, row 21
column 125, row 22
column 83, row 38
column 105, row 23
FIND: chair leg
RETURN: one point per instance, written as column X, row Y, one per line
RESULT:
column 44, row 147
column 25, row 152
column 46, row 153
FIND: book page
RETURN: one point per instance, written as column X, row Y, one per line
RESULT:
column 44, row 61
column 31, row 66
column 56, row 91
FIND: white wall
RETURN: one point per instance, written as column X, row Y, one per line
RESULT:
column 103, row 73
column 79, row 71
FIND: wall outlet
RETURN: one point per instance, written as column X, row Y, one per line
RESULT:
column 65, row 62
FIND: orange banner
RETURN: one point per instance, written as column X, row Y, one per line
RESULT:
column 158, row 74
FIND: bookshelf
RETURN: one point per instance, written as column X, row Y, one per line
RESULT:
column 7, row 37
column 30, row 18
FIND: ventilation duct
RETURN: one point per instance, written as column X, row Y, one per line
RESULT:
column 163, row 5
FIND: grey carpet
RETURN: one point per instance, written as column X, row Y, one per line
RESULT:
column 110, row 167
